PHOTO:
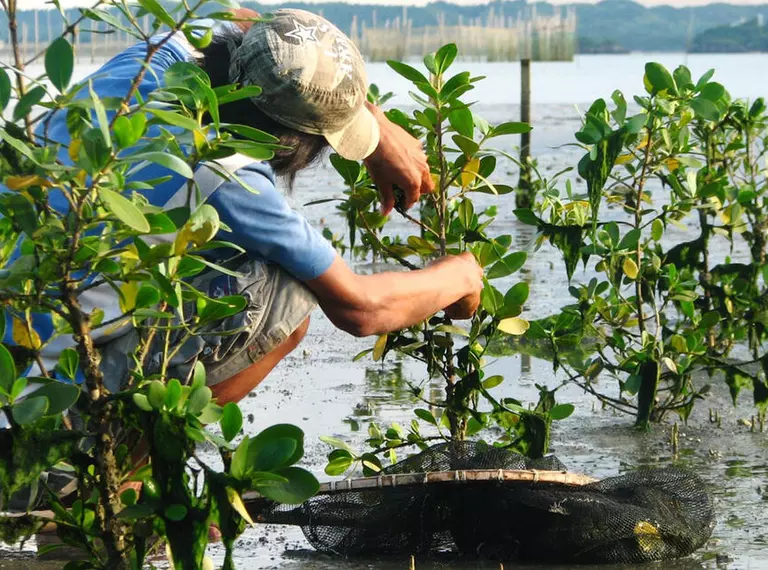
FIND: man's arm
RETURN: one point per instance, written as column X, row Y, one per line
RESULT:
column 364, row 305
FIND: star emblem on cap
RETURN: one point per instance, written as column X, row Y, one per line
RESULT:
column 303, row 33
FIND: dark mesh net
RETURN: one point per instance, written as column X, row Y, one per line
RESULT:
column 646, row 515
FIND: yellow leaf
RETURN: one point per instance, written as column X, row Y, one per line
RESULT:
column 728, row 305
column 81, row 177
column 644, row 142
column 514, row 326
column 672, row 164
column 630, row 268
column 624, row 158
column 25, row 181
column 670, row 364
column 469, row 173
column 199, row 139
column 378, row 348
column 24, row 335
column 237, row 504
column 129, row 291
column 435, row 179
column 74, row 149
column 648, row 536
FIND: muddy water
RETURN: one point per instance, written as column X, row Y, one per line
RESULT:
column 320, row 389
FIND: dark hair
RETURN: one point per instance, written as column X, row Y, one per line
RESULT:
column 303, row 149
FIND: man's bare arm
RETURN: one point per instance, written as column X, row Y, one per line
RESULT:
column 364, row 305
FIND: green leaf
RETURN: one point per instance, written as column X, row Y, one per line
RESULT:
column 407, row 71
column 60, row 396
column 338, row 466
column 69, row 361
column 7, row 369
column 223, row 307
column 507, row 265
column 156, row 394
column 148, row 296
column 172, row 394
column 198, row 376
column 271, row 454
column 176, row 512
column 29, row 410
column 426, row 415
column 169, row 161
column 199, row 398
column 25, row 104
column 705, row 109
column 280, row 431
column 660, row 78
column 124, row 210
column 18, row 387
column 176, row 119
column 561, row 411
column 123, row 131
column 466, row 213
column 451, row 329
column 657, row 230
column 301, row 486
column 445, row 57
column 59, row 63
column 142, row 402
column 517, row 295
column 467, row 145
column 5, row 89
column 461, row 120
column 713, row 92
column 156, row 9
column 250, row 133
column 101, row 116
column 510, row 129
column 492, row 381
column 335, row 443
column 231, row 421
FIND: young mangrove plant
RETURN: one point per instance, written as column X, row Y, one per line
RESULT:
column 462, row 161
column 662, row 308
column 75, row 217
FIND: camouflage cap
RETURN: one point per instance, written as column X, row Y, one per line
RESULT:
column 312, row 78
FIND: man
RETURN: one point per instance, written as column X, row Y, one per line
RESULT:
column 313, row 96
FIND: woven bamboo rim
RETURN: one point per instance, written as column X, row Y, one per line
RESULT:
column 447, row 477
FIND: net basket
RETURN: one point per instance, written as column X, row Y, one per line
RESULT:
column 479, row 501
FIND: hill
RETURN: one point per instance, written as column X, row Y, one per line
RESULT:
column 749, row 36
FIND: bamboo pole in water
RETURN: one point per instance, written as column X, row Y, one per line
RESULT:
column 523, row 198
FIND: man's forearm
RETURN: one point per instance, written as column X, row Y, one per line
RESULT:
column 374, row 304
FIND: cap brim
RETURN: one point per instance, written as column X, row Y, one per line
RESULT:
column 357, row 140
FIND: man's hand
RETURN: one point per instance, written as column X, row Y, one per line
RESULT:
column 399, row 160
column 467, row 265
column 244, row 13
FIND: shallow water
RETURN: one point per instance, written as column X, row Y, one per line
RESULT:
column 321, row 390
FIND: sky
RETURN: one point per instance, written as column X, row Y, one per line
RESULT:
column 31, row 4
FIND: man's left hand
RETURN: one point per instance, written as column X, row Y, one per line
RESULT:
column 399, row 160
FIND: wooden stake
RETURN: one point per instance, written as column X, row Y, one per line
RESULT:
column 523, row 197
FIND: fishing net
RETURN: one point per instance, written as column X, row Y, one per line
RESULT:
column 479, row 501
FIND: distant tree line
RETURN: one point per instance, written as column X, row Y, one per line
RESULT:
column 609, row 26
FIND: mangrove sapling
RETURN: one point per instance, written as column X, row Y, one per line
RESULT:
column 457, row 143
column 106, row 234
column 661, row 311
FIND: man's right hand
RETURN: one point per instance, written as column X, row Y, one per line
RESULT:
column 466, row 264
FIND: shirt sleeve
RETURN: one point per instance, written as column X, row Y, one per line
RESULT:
column 267, row 227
